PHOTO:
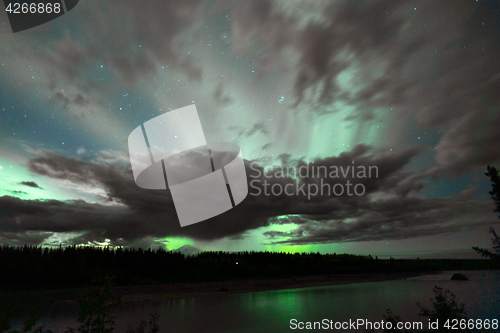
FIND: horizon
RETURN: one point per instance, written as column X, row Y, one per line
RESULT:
column 466, row 254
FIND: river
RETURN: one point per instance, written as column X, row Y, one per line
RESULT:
column 272, row 311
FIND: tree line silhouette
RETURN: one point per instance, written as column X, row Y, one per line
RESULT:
column 32, row 267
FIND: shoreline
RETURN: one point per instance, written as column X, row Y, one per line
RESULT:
column 204, row 289
column 65, row 301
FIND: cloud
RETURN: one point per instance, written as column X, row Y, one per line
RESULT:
column 20, row 239
column 432, row 65
column 391, row 219
column 392, row 207
column 473, row 141
column 435, row 67
column 108, row 45
column 266, row 146
column 258, row 127
column 322, row 45
column 152, row 34
column 19, row 192
column 220, row 96
column 30, row 184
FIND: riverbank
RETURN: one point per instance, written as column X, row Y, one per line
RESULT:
column 233, row 311
column 184, row 290
column 66, row 300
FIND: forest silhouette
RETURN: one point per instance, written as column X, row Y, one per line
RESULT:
column 32, row 267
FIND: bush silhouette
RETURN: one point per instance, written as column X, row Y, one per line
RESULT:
column 94, row 315
column 444, row 308
column 95, row 308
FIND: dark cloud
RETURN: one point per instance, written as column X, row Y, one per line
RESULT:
column 30, row 184
column 220, row 96
column 27, row 237
column 61, row 100
column 250, row 18
column 347, row 28
column 266, row 146
column 80, row 100
column 129, row 40
column 474, row 141
column 19, row 192
column 437, row 64
column 391, row 208
column 152, row 35
column 259, row 127
column 391, row 219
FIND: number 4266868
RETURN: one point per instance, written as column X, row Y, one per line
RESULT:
column 455, row 324
column 33, row 8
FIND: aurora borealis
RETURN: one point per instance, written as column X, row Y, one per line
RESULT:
column 410, row 87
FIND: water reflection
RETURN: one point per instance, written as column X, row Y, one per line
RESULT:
column 271, row 311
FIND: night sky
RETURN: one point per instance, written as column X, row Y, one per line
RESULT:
column 411, row 87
